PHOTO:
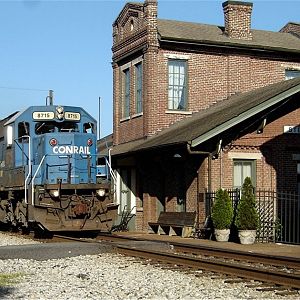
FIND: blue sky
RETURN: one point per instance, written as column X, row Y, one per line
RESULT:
column 66, row 46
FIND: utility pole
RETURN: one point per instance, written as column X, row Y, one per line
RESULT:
column 99, row 120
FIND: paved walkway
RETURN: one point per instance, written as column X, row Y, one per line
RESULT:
column 265, row 248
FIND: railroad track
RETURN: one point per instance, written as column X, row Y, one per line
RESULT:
column 238, row 265
column 274, row 260
column 273, row 277
column 274, row 270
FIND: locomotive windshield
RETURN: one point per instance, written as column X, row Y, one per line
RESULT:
column 47, row 127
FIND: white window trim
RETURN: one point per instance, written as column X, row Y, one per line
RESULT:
column 137, row 115
column 176, row 56
column 137, row 60
column 126, row 66
column 243, row 155
column 181, row 112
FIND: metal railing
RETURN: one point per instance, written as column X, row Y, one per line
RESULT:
column 278, row 213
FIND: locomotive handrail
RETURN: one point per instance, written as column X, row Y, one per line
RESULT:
column 33, row 178
column 29, row 167
column 111, row 171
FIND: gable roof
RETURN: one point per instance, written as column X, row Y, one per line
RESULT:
column 208, row 123
column 203, row 34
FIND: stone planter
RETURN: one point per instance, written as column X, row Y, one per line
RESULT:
column 222, row 235
column 247, row 237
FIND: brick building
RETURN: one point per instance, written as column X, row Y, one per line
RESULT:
column 198, row 107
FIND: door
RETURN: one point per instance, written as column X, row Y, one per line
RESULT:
column 127, row 198
column 125, row 203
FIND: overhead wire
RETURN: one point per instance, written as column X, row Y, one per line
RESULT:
column 24, row 89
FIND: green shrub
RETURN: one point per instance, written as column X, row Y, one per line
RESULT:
column 247, row 216
column 222, row 211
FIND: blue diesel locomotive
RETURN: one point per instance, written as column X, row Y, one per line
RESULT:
column 48, row 171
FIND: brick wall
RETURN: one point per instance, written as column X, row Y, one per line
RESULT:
column 211, row 78
column 213, row 75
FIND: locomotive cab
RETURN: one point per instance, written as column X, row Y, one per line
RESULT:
column 48, row 171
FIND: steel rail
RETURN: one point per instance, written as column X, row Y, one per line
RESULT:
column 254, row 257
column 228, row 268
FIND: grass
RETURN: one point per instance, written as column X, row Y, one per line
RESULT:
column 9, row 279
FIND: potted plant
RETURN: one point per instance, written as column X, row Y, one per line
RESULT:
column 247, row 218
column 222, row 214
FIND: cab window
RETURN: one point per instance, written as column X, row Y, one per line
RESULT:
column 23, row 132
column 44, row 127
column 67, row 127
column 88, row 127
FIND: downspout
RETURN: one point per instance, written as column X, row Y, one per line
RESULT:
column 209, row 156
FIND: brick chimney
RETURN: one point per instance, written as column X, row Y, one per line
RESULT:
column 237, row 17
column 150, row 10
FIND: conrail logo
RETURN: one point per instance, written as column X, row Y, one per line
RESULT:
column 71, row 150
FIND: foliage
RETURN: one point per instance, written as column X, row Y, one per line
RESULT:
column 277, row 228
column 247, row 217
column 222, row 211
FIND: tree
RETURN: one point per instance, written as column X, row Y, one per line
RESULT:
column 222, row 211
column 247, row 217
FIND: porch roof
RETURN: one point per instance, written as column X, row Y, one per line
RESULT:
column 206, row 124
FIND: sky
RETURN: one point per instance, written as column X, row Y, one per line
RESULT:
column 66, row 45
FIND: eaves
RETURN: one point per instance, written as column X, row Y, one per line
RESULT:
column 228, row 45
column 244, row 116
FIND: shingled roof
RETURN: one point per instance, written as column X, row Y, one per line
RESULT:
column 203, row 34
column 205, row 124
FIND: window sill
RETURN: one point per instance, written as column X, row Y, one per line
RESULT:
column 137, row 115
column 124, row 119
column 180, row 112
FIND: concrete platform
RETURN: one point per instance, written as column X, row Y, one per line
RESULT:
column 265, row 248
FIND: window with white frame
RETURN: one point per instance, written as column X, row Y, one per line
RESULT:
column 138, row 88
column 126, row 99
column 243, row 168
column 290, row 74
column 177, row 71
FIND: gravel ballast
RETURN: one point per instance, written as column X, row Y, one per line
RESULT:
column 111, row 276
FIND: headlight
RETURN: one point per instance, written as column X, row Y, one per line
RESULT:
column 54, row 193
column 101, row 192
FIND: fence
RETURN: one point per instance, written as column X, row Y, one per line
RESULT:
column 279, row 214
